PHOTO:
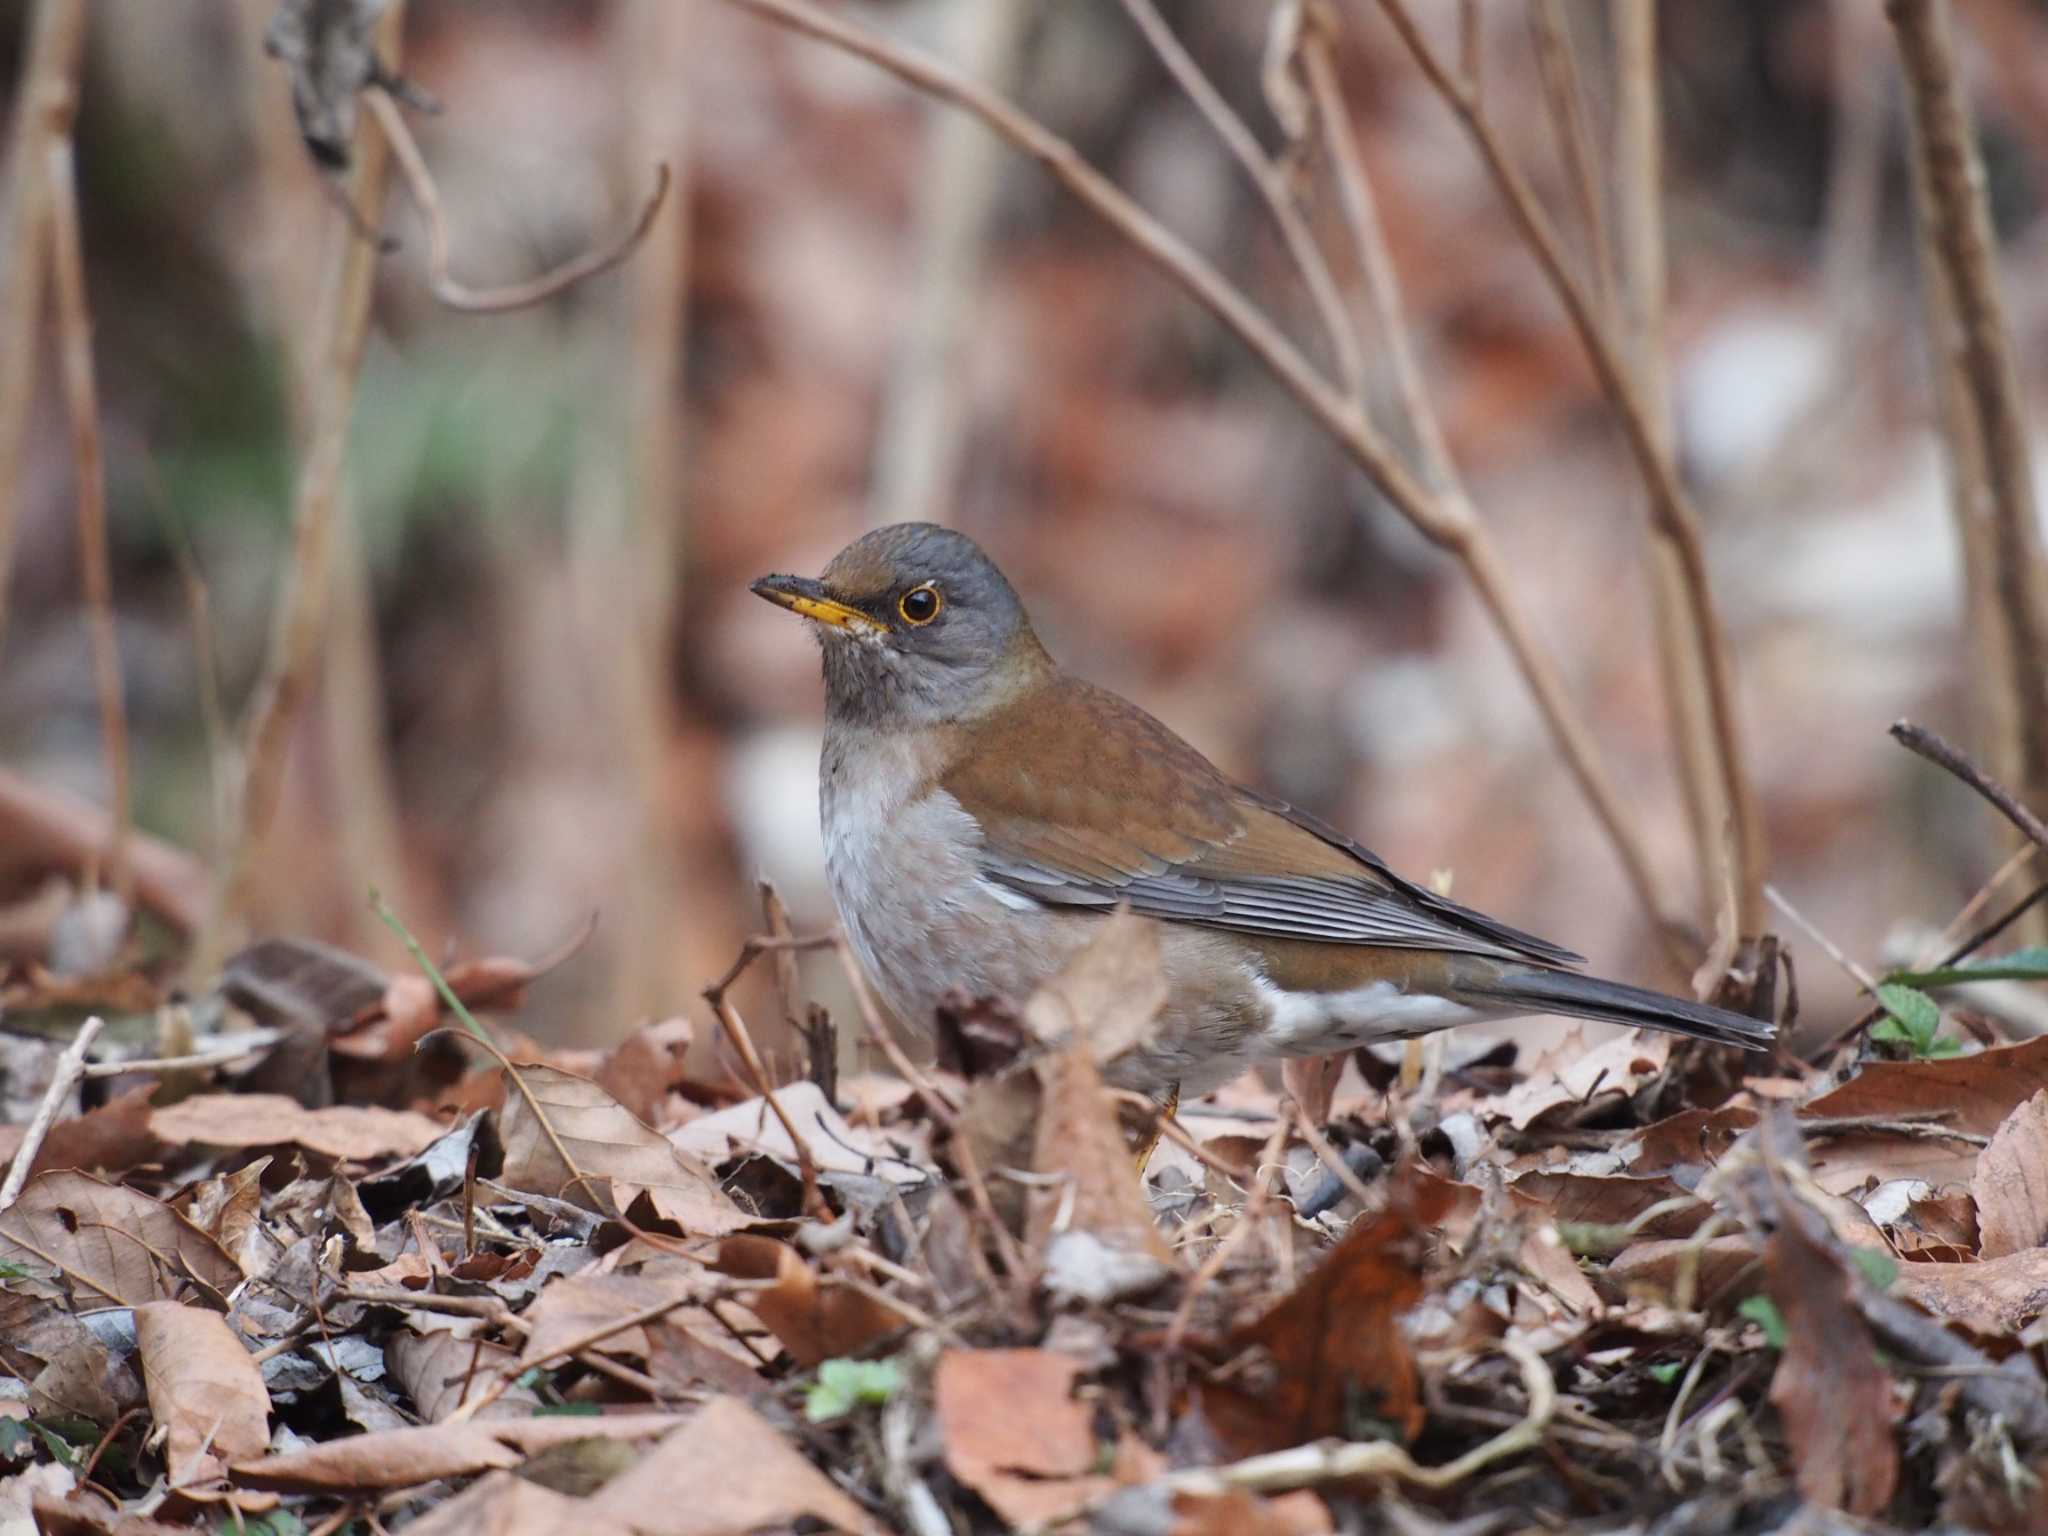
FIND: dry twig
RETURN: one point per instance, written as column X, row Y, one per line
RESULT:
column 1917, row 738
column 70, row 1068
column 43, row 114
column 81, row 399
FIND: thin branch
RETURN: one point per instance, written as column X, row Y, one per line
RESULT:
column 1943, row 754
column 70, row 1067
column 1971, row 342
column 301, row 616
column 419, row 181
column 1271, row 182
column 1445, row 523
column 757, row 1079
column 1557, row 62
column 43, row 114
column 1670, row 507
column 41, row 826
column 81, row 399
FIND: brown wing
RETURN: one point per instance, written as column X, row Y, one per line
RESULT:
column 1092, row 802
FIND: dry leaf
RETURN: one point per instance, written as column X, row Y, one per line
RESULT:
column 1311, row 1081
column 814, row 1318
column 399, row 1458
column 1337, row 1352
column 354, row 1133
column 834, row 1143
column 1692, row 1138
column 112, row 1138
column 1655, row 1269
column 442, row 1368
column 2011, row 1183
column 505, row 1504
column 110, row 1243
column 1830, row 1388
column 576, row 1307
column 584, row 1147
column 205, row 1392
column 1996, row 1298
column 1572, row 1074
column 726, row 1471
column 1242, row 1513
column 1965, row 1093
column 1096, row 1209
column 84, row 1514
column 1015, row 1433
column 1108, row 996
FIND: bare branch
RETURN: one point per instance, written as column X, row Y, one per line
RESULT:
column 1670, row 508
column 454, row 294
column 44, row 110
column 81, row 397
column 1444, row 522
column 1984, row 419
column 1271, row 182
column 1917, row 738
column 70, row 1068
column 1565, row 100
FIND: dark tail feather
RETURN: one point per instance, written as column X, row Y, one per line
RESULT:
column 1588, row 997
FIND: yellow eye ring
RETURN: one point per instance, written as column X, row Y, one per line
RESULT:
column 920, row 605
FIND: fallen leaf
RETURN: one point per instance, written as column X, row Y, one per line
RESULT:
column 1339, row 1361
column 205, row 1391
column 814, row 1318
column 442, row 1368
column 1095, row 1192
column 1240, row 1512
column 1830, row 1388
column 84, row 1514
column 111, row 1138
column 1108, row 997
column 726, row 1471
column 568, row 1139
column 505, row 1504
column 1593, row 1201
column 834, row 1143
column 110, row 1243
column 400, row 1458
column 355, row 1133
column 1692, row 1138
column 575, row 1307
column 1573, row 1074
column 22, row 1491
column 2011, row 1183
column 1996, row 1298
column 1311, row 1081
column 1657, row 1269
column 1015, row 1433
column 1964, row 1093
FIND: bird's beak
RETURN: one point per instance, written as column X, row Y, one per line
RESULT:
column 807, row 598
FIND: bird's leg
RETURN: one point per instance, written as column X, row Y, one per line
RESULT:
column 1150, row 1143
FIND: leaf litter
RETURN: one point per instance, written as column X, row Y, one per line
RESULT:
column 618, row 1292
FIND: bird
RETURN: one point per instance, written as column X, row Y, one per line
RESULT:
column 983, row 809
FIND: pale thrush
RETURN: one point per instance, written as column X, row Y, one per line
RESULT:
column 983, row 808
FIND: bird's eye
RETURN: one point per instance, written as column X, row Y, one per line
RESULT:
column 920, row 605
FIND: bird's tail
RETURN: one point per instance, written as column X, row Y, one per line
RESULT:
column 1536, row 990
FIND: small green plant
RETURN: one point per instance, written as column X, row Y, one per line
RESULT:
column 1764, row 1312
column 1879, row 1269
column 844, row 1385
column 1912, row 1021
column 1665, row 1372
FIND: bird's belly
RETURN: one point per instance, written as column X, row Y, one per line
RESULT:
column 906, row 879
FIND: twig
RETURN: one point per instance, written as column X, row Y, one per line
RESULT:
column 419, row 182
column 1271, row 183
column 248, row 1044
column 1336, row 1461
column 81, row 399
column 1972, row 343
column 1856, row 972
column 757, row 1079
column 1450, row 526
column 1943, row 754
column 472, row 1406
column 1354, row 1186
column 44, row 110
column 301, row 616
column 1671, row 511
column 1557, row 63
column 70, row 1068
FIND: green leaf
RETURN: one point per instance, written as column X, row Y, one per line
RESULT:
column 844, row 1385
column 567, row 1411
column 1880, row 1269
column 1764, row 1312
column 1917, row 1013
column 1666, row 1372
column 2029, row 964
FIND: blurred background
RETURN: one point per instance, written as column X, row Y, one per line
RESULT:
column 545, row 691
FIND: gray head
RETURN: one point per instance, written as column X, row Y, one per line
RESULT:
column 917, row 625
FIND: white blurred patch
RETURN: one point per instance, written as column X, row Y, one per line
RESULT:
column 1738, row 386
column 772, row 790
